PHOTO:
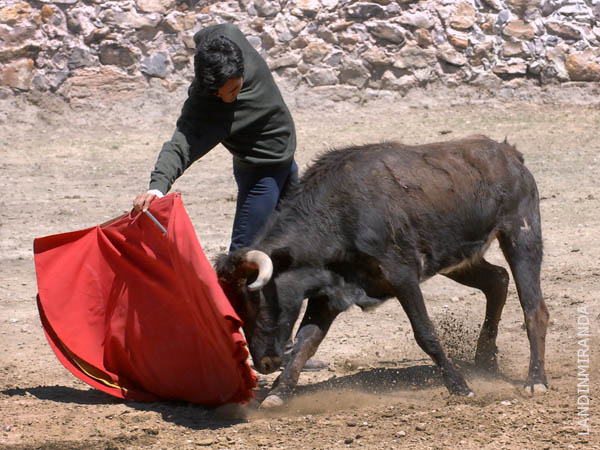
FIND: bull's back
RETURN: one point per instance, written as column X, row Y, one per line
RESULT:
column 439, row 175
column 454, row 175
column 443, row 200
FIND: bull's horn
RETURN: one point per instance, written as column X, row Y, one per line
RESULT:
column 265, row 268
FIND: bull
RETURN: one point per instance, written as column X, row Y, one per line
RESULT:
column 371, row 222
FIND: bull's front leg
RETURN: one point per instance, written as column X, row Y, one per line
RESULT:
column 411, row 299
column 313, row 328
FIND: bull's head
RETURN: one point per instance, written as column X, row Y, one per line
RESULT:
column 246, row 277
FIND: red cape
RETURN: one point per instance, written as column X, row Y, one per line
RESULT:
column 139, row 314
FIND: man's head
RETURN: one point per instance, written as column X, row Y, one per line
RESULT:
column 219, row 68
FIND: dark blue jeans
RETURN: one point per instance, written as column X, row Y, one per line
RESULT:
column 258, row 194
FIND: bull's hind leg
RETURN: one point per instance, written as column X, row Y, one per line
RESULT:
column 411, row 299
column 522, row 248
column 493, row 282
column 313, row 328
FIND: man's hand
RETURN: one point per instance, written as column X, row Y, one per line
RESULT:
column 142, row 201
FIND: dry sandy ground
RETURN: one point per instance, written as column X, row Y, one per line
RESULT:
column 64, row 170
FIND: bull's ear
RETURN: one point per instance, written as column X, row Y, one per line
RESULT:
column 229, row 270
column 222, row 265
column 282, row 259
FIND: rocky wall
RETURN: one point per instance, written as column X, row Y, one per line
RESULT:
column 82, row 50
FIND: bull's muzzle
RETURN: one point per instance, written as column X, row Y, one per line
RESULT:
column 268, row 364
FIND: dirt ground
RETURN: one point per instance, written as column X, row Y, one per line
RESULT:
column 64, row 169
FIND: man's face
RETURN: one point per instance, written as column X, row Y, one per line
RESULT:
column 230, row 90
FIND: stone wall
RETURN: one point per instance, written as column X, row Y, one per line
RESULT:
column 344, row 49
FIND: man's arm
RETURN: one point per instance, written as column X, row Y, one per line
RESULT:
column 172, row 161
column 174, row 158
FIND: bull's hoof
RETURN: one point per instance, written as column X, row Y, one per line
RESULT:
column 272, row 401
column 468, row 393
column 460, row 390
column 261, row 381
column 536, row 389
column 463, row 393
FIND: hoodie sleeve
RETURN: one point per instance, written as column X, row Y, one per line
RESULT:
column 177, row 155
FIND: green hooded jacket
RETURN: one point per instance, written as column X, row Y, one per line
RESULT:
column 257, row 128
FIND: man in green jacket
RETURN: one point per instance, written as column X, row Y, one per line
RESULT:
column 233, row 100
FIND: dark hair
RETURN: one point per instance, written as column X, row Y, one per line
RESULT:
column 216, row 61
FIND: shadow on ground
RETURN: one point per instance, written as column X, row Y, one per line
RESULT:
column 339, row 392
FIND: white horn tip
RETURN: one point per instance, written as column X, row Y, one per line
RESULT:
column 255, row 286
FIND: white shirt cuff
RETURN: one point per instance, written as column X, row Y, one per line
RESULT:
column 156, row 192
